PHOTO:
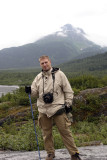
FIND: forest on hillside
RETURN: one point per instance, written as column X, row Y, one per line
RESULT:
column 95, row 65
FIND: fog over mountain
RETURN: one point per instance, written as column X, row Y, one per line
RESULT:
column 64, row 45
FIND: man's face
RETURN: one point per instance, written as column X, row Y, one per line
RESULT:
column 45, row 64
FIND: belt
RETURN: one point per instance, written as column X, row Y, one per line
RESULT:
column 60, row 111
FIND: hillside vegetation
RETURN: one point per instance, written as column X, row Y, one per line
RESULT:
column 95, row 65
column 89, row 112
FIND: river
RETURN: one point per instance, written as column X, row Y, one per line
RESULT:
column 4, row 89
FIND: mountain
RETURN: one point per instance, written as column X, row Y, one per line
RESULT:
column 61, row 46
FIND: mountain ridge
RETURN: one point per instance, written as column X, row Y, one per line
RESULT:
column 68, row 43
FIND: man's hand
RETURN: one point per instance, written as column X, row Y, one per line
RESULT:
column 68, row 108
column 28, row 89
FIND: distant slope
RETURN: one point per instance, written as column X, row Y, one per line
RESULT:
column 61, row 46
column 95, row 65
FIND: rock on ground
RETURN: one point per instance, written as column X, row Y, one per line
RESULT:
column 86, row 153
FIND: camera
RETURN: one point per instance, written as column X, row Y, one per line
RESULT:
column 48, row 97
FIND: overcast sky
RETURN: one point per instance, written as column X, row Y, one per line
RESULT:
column 24, row 21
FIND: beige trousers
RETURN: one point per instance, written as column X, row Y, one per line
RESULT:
column 62, row 124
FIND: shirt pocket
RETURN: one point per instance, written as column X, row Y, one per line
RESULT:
column 67, row 121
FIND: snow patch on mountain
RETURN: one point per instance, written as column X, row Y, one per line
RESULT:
column 61, row 34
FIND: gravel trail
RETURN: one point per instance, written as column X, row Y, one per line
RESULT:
column 87, row 153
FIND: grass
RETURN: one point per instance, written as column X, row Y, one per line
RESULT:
column 17, row 136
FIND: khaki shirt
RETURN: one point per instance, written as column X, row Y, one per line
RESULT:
column 63, row 92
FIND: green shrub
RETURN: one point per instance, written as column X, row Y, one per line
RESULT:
column 4, row 106
column 24, row 137
column 19, row 97
column 85, row 82
column 88, row 108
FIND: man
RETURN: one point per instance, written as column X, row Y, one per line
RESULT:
column 54, row 92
